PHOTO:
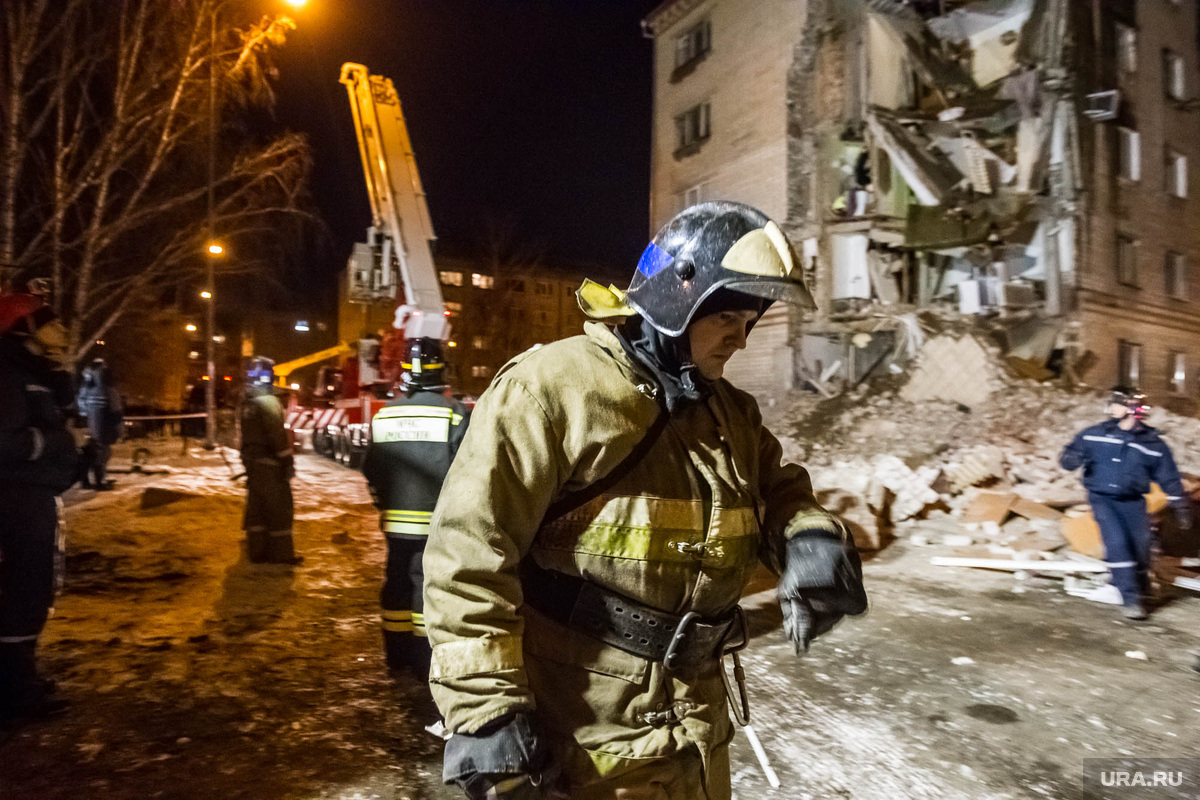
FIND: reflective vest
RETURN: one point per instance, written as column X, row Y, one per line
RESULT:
column 413, row 440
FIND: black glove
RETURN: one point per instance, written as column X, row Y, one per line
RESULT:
column 505, row 760
column 289, row 466
column 821, row 583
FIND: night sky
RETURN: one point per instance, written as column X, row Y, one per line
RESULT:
column 534, row 114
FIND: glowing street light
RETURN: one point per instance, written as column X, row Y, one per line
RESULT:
column 214, row 249
column 190, row 328
column 207, row 295
column 302, row 326
column 297, row 3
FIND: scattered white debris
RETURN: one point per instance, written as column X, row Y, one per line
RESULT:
column 962, row 661
column 1138, row 654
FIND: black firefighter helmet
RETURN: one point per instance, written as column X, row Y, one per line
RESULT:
column 1132, row 398
column 260, row 376
column 423, row 365
column 707, row 248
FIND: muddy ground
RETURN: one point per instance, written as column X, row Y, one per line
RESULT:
column 194, row 675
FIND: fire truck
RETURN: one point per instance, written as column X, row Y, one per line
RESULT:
column 395, row 263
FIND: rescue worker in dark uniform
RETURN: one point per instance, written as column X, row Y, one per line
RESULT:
column 608, row 507
column 413, row 440
column 1120, row 458
column 269, row 464
column 38, row 462
column 99, row 402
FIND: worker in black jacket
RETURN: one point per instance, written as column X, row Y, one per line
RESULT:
column 38, row 462
column 1120, row 458
column 413, row 440
column 269, row 464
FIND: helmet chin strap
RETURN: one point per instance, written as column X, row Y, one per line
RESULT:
column 669, row 358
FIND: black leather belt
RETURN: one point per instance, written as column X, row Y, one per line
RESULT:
column 680, row 642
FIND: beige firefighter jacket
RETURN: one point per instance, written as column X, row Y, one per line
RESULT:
column 683, row 531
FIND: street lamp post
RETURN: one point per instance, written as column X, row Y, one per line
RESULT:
column 210, row 389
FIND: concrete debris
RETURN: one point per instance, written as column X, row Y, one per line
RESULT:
column 955, row 370
column 979, row 466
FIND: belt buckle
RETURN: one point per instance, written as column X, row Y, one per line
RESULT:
column 677, row 639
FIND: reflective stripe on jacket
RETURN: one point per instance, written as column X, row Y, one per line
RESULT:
column 413, row 440
column 1123, row 463
column 683, row 531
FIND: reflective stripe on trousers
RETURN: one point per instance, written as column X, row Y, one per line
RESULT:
column 410, row 523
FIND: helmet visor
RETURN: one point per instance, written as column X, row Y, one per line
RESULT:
column 784, row 291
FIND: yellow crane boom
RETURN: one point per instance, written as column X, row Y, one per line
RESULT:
column 282, row 371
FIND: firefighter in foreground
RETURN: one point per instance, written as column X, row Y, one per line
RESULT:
column 1120, row 457
column 269, row 464
column 413, row 440
column 608, row 507
column 38, row 462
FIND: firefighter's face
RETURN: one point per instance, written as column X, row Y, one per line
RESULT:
column 715, row 338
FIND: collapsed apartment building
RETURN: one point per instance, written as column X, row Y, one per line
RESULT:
column 1018, row 167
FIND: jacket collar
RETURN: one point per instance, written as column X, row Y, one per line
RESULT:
column 602, row 335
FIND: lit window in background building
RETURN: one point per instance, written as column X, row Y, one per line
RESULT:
column 479, row 342
column 1174, row 75
column 1178, row 366
column 453, row 308
column 1175, row 173
column 481, row 281
column 1176, row 276
column 1130, row 151
column 451, row 278
column 480, row 371
column 1126, row 49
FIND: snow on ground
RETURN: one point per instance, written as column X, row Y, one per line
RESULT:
column 195, row 675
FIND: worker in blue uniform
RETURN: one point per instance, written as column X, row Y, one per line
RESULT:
column 413, row 440
column 1120, row 458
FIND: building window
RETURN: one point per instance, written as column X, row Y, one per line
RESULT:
column 693, row 195
column 1126, row 49
column 692, row 128
column 1175, row 175
column 1127, row 261
column 481, row 281
column 694, row 44
column 1129, row 363
column 451, row 278
column 454, row 308
column 481, row 371
column 1177, row 372
column 1174, row 77
column 1130, row 150
column 1175, row 270
column 543, row 288
column 479, row 342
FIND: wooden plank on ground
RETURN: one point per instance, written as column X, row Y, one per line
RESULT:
column 1031, row 509
column 989, row 507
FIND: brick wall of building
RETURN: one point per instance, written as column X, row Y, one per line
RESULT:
column 1142, row 210
column 744, row 80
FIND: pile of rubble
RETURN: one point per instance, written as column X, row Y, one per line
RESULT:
column 897, row 459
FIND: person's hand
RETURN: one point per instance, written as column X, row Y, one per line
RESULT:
column 821, row 583
column 505, row 759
